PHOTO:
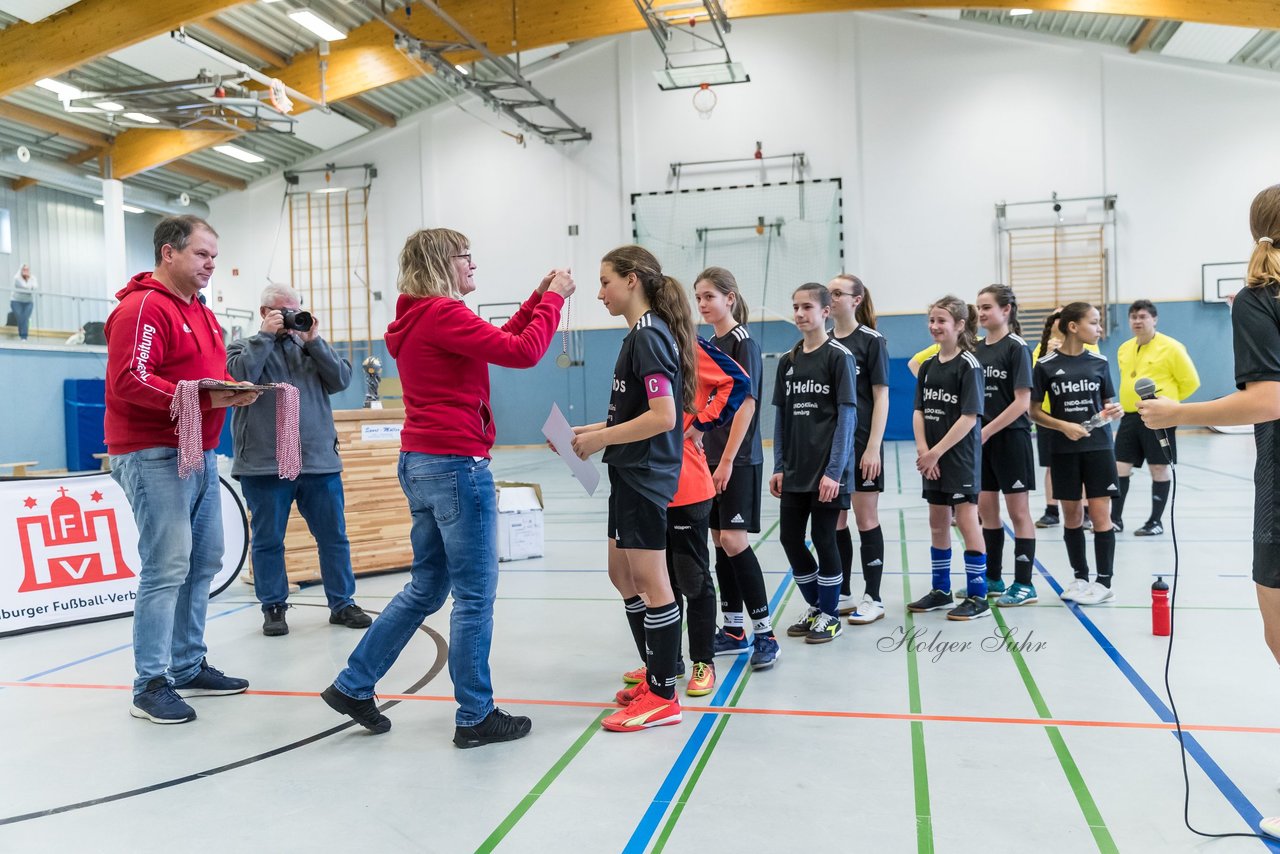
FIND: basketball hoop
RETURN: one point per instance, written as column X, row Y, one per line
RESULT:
column 704, row 100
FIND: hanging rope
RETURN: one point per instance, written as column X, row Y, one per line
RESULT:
column 185, row 409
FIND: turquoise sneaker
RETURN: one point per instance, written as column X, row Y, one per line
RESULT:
column 994, row 587
column 1018, row 594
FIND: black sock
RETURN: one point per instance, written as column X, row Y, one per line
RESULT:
column 1074, row 539
column 1117, row 501
column 844, row 542
column 994, row 538
column 1159, row 498
column 750, row 580
column 1051, row 510
column 1104, row 552
column 730, row 597
column 662, row 634
column 635, row 619
column 872, row 554
column 1024, row 559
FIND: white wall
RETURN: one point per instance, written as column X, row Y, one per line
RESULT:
column 928, row 124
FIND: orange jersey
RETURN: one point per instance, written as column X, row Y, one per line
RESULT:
column 715, row 392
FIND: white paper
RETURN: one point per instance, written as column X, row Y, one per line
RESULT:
column 560, row 435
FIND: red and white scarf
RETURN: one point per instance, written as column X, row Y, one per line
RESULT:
column 185, row 409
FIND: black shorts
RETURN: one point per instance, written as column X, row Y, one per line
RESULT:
column 1007, row 463
column 948, row 499
column 860, row 484
column 635, row 522
column 1137, row 443
column 1044, row 446
column 809, row 501
column 738, row 507
column 1091, row 471
column 1266, row 564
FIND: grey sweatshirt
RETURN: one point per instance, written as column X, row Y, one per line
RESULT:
column 317, row 371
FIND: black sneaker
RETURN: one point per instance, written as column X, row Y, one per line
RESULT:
column 970, row 609
column 499, row 726
column 159, row 704
column 800, row 628
column 931, row 601
column 363, row 712
column 1151, row 529
column 211, row 682
column 1117, row 526
column 1049, row 520
column 352, row 616
column 825, row 629
column 273, row 622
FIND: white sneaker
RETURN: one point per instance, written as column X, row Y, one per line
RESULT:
column 868, row 611
column 1074, row 589
column 1270, row 826
column 847, row 605
column 1095, row 594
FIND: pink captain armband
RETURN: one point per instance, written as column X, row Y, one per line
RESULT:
column 657, row 385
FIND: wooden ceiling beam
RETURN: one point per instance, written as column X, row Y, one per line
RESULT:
column 86, row 155
column 51, row 124
column 88, row 30
column 243, row 43
column 20, row 184
column 1143, row 37
column 379, row 115
column 204, row 173
column 138, row 150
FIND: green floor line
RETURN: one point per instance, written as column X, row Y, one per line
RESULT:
column 920, row 768
column 696, row 774
column 1092, row 816
column 897, row 460
column 541, row 786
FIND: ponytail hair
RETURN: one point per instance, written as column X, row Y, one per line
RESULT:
column 1005, row 298
column 865, row 314
column 965, row 315
column 724, row 281
column 667, row 299
column 1264, row 224
column 1050, row 323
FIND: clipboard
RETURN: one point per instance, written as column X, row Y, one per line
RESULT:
column 220, row 385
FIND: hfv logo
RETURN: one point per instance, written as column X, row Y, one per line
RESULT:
column 70, row 547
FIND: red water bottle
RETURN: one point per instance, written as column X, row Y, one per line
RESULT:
column 1160, row 608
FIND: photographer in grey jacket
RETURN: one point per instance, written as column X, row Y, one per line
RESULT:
column 288, row 348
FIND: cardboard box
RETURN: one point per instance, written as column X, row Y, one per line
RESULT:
column 520, row 528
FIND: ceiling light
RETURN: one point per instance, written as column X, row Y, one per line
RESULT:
column 125, row 208
column 142, row 117
column 1017, row 13
column 65, row 91
column 109, row 106
column 330, row 190
column 238, row 153
column 317, row 25
column 462, row 69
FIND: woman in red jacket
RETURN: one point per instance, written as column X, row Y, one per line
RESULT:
column 443, row 351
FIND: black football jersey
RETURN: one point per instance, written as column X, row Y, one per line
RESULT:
column 871, row 361
column 1255, row 323
column 808, row 392
column 1006, row 367
column 944, row 392
column 650, row 466
column 1078, row 388
column 738, row 345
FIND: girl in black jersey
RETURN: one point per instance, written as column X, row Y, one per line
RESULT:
column 812, row 459
column 736, row 459
column 653, row 382
column 854, row 326
column 949, row 402
column 1078, row 383
column 1008, row 460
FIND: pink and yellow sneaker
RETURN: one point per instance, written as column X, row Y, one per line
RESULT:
column 703, row 680
column 645, row 711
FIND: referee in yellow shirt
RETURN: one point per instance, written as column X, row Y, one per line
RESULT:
column 1165, row 361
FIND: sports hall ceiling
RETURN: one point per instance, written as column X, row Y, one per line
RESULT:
column 98, row 45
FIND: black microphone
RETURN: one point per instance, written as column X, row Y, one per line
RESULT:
column 1146, row 389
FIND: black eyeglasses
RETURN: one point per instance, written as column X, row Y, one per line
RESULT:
column 838, row 294
column 467, row 256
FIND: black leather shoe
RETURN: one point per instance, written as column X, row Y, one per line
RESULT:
column 499, row 726
column 363, row 712
column 273, row 622
column 352, row 616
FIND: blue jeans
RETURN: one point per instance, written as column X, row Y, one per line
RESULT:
column 22, row 311
column 180, row 542
column 320, row 501
column 455, row 517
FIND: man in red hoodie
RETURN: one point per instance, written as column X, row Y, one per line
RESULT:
column 159, row 335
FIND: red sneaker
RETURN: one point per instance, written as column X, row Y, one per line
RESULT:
column 638, row 676
column 646, row 710
column 626, row 696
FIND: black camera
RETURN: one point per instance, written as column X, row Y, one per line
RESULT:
column 297, row 320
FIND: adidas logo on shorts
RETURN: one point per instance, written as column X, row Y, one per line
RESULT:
column 1113, row 488
column 868, row 482
column 957, row 495
column 1017, row 484
column 737, row 519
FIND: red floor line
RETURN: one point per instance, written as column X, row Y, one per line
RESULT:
column 741, row 710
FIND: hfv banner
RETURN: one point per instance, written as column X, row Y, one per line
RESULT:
column 69, row 550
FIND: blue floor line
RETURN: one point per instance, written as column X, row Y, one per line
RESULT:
column 1242, row 805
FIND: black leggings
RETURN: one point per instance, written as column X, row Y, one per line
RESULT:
column 689, row 567
column 795, row 513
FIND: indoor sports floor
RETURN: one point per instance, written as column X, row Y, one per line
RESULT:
column 858, row 745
